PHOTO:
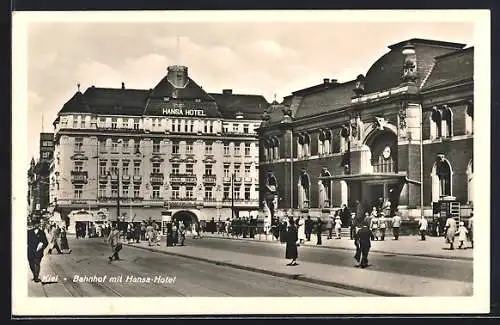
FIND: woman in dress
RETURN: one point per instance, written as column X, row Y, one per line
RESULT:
column 193, row 230
column 302, row 230
column 450, row 230
column 462, row 235
column 338, row 226
column 291, row 252
column 64, row 241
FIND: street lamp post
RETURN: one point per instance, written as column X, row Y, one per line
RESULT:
column 232, row 195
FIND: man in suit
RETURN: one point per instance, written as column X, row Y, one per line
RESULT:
column 319, row 230
column 309, row 227
column 363, row 239
column 37, row 241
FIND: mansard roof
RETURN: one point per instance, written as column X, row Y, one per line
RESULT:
column 250, row 106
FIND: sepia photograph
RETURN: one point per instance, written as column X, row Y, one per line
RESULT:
column 288, row 162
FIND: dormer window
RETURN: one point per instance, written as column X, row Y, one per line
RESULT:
column 197, row 100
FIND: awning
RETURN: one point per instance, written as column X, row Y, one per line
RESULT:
column 372, row 177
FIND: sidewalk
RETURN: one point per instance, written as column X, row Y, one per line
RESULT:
column 352, row 278
column 406, row 245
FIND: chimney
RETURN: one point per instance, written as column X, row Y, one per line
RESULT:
column 333, row 81
column 123, row 85
column 227, row 91
column 326, row 81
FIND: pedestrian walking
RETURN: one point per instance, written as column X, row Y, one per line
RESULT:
column 64, row 241
column 338, row 227
column 170, row 236
column 352, row 225
column 396, row 223
column 175, row 234
column 114, row 242
column 54, row 239
column 193, row 230
column 291, row 251
column 308, row 228
column 301, row 232
column 227, row 226
column 182, row 232
column 319, row 230
column 422, row 223
column 382, row 226
column 157, row 234
column 329, row 226
column 471, row 229
column 150, row 233
column 364, row 236
column 462, row 233
column 450, row 230
column 37, row 241
column 374, row 226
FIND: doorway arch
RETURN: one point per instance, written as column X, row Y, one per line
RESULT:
column 186, row 216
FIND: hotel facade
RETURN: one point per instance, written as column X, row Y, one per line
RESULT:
column 402, row 132
column 139, row 153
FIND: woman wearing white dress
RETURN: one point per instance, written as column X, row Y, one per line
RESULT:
column 193, row 230
column 338, row 226
column 462, row 235
column 302, row 230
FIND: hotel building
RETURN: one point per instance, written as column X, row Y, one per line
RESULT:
column 172, row 148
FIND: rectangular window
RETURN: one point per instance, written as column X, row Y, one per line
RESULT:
column 175, row 192
column 191, row 127
column 208, row 149
column 102, row 145
column 189, row 169
column 102, row 190
column 245, row 128
column 156, row 192
column 78, row 191
column 208, row 169
column 136, row 124
column 137, row 189
column 235, row 128
column 247, row 171
column 247, row 192
column 156, row 167
column 113, row 123
column 82, row 125
column 208, row 192
column 75, row 123
column 78, row 166
column 114, row 190
column 156, row 147
column 137, row 146
column 114, row 146
column 189, row 192
column 137, row 168
column 237, row 168
column 102, row 167
column 78, row 144
column 189, row 148
column 227, row 191
column 175, row 169
column 175, row 147
column 47, row 143
column 236, row 192
column 125, row 167
column 226, row 149
column 205, row 127
column 210, row 127
column 227, row 173
column 45, row 154
column 185, row 128
column 153, row 124
column 125, row 191
column 236, row 149
column 225, row 128
column 125, row 146
column 247, row 149
column 114, row 167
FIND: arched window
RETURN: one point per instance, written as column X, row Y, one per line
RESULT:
column 469, row 118
column 300, row 145
column 321, row 140
column 303, row 190
column 441, row 176
column 447, row 122
column 266, row 150
column 276, row 148
column 307, row 145
column 324, row 190
column 344, row 135
column 435, row 124
column 470, row 183
column 327, row 143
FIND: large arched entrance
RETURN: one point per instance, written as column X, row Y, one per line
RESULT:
column 185, row 216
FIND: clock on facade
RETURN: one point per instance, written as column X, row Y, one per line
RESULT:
column 387, row 152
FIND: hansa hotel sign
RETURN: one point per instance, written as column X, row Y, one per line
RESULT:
column 182, row 110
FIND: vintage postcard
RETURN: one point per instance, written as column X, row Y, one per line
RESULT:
column 257, row 162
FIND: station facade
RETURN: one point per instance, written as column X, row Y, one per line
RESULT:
column 403, row 133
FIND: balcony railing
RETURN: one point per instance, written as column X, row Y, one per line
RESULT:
column 78, row 177
column 156, row 178
column 248, row 179
column 209, row 179
column 237, row 179
column 137, row 178
column 183, row 178
column 126, row 178
column 226, row 179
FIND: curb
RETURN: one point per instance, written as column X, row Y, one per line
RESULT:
column 464, row 258
column 298, row 277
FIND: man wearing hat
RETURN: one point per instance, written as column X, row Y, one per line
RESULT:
column 37, row 242
column 363, row 244
column 382, row 225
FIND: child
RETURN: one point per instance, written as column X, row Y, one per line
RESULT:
column 462, row 234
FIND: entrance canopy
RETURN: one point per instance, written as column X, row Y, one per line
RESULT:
column 380, row 177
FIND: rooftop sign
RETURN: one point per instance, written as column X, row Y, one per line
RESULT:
column 181, row 110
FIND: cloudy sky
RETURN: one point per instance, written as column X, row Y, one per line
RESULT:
column 258, row 58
